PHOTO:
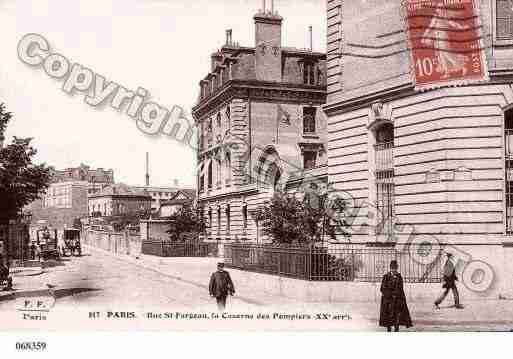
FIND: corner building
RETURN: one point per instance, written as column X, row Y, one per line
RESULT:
column 421, row 165
column 260, row 126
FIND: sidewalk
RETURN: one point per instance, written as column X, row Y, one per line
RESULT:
column 480, row 315
column 25, row 271
column 197, row 272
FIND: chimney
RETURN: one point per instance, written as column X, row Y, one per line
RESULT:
column 147, row 169
column 216, row 58
column 229, row 37
column 310, row 32
column 268, row 45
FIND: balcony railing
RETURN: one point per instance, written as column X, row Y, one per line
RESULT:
column 384, row 156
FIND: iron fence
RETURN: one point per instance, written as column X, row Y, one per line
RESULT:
column 335, row 263
column 179, row 249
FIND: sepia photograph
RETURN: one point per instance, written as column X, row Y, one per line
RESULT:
column 323, row 166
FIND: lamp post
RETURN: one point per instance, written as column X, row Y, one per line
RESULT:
column 27, row 216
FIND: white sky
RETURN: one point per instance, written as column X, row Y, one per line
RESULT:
column 163, row 46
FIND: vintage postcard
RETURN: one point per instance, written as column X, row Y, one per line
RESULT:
column 253, row 165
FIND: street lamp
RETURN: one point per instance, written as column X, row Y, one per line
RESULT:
column 27, row 216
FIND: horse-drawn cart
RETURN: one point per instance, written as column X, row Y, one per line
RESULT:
column 46, row 241
column 71, row 245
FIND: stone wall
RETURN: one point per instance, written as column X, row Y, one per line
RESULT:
column 115, row 242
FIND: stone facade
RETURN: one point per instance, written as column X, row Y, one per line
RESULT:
column 260, row 126
column 447, row 155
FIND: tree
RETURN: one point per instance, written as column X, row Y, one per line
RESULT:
column 21, row 181
column 288, row 220
column 186, row 220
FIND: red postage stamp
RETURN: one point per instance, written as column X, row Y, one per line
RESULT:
column 445, row 42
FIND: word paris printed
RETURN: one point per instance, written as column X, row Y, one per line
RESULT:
column 361, row 180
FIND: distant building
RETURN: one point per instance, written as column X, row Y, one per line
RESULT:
column 118, row 199
column 62, row 203
column 180, row 199
column 159, row 195
column 66, row 198
column 96, row 178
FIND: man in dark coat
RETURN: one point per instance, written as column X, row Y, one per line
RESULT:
column 449, row 280
column 4, row 274
column 394, row 310
column 221, row 285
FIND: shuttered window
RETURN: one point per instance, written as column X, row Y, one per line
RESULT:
column 504, row 19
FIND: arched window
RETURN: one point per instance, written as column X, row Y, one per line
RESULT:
column 384, row 177
column 272, row 177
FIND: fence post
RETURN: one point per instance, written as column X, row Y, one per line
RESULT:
column 309, row 263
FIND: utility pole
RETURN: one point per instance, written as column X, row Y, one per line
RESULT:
column 147, row 169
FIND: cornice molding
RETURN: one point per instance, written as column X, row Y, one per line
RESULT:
column 260, row 91
column 497, row 77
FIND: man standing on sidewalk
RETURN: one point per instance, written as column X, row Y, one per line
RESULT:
column 221, row 285
column 449, row 280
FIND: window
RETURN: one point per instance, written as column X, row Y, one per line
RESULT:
column 209, row 174
column 504, row 19
column 228, row 169
column 508, row 141
column 309, row 159
column 218, row 120
column 228, row 117
column 228, row 222
column 309, row 119
column 244, row 217
column 384, row 174
column 210, row 219
column 218, row 221
column 218, row 173
column 309, row 73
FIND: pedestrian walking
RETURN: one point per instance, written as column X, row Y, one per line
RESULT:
column 449, row 279
column 221, row 286
column 394, row 309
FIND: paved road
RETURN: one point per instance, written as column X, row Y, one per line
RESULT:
column 99, row 281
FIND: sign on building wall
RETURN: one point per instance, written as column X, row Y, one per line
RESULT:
column 445, row 42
